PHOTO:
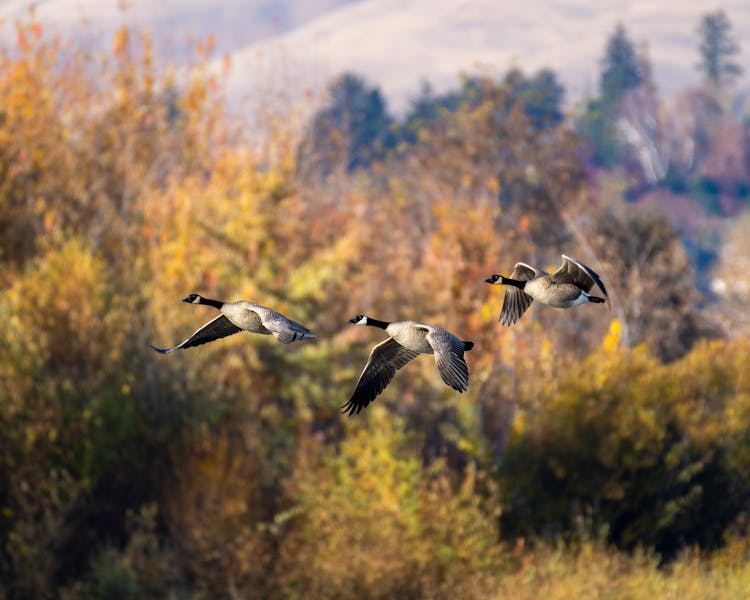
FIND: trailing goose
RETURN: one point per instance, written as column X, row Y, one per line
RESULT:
column 241, row 316
column 408, row 339
column 568, row 286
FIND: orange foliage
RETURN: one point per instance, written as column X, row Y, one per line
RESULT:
column 227, row 470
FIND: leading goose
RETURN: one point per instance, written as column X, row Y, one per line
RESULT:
column 408, row 339
column 241, row 316
column 568, row 286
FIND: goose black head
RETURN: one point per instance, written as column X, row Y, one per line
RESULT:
column 495, row 279
column 358, row 320
column 193, row 299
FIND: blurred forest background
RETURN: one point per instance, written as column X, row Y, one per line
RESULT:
column 596, row 454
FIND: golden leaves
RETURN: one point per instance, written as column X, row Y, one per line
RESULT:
column 64, row 298
column 612, row 340
column 121, row 42
column 133, row 198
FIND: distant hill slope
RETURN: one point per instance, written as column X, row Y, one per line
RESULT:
column 298, row 45
column 399, row 43
column 234, row 23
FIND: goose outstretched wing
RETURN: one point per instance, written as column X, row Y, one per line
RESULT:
column 215, row 329
column 449, row 357
column 515, row 300
column 385, row 359
column 575, row 272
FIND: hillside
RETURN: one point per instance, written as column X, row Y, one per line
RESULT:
column 233, row 23
column 397, row 44
column 297, row 46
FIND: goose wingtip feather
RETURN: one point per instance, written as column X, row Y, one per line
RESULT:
column 160, row 350
column 350, row 408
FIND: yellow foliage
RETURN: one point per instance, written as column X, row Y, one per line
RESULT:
column 124, row 188
column 373, row 523
column 612, row 340
column 65, row 298
column 621, row 427
column 596, row 572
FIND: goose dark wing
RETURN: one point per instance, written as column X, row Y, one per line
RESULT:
column 385, row 359
column 573, row 271
column 213, row 330
column 449, row 357
column 515, row 300
column 515, row 303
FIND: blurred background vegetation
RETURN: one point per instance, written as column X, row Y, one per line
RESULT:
column 596, row 453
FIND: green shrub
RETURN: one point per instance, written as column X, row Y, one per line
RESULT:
column 634, row 451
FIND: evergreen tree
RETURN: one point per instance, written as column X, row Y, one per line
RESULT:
column 621, row 73
column 542, row 97
column 620, row 70
column 717, row 49
column 353, row 129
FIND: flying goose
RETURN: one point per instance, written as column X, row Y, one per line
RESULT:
column 239, row 316
column 408, row 339
column 568, row 286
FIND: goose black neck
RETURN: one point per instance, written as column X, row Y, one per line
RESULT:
column 514, row 282
column 376, row 323
column 215, row 303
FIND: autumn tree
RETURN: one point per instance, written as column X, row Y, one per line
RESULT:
column 633, row 450
column 731, row 281
column 502, row 138
column 649, row 273
column 539, row 96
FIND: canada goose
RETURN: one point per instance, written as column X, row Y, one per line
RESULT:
column 239, row 316
column 408, row 339
column 568, row 286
